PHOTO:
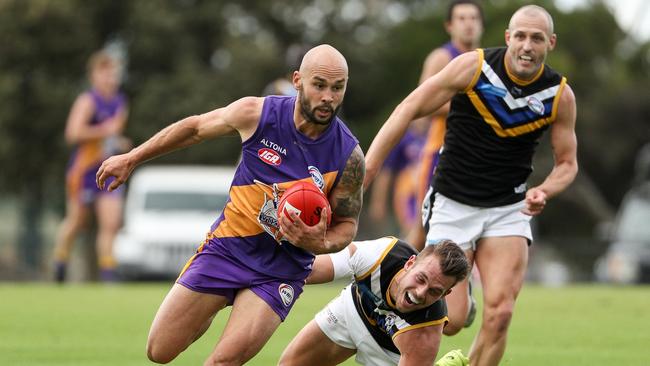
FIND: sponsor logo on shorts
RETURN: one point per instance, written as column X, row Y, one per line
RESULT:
column 426, row 205
column 286, row 294
column 269, row 156
column 317, row 177
column 520, row 188
column 331, row 318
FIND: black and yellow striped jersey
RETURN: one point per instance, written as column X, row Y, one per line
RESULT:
column 375, row 264
column 493, row 128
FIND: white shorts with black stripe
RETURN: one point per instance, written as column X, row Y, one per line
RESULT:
column 465, row 225
column 341, row 323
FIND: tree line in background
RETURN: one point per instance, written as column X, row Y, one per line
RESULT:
column 190, row 56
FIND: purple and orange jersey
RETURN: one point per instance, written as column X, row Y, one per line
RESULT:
column 88, row 155
column 403, row 163
column 273, row 158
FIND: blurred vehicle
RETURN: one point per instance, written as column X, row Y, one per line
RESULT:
column 627, row 259
column 168, row 211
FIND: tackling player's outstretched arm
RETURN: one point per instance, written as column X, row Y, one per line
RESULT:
column 240, row 116
column 330, row 267
column 436, row 61
column 424, row 100
column 419, row 346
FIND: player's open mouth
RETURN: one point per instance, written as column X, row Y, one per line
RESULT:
column 526, row 59
column 324, row 112
column 410, row 300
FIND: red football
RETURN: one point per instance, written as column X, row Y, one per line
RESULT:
column 307, row 200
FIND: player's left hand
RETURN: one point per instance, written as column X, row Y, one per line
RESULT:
column 310, row 238
column 535, row 202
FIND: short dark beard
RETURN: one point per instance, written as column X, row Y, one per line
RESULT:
column 310, row 116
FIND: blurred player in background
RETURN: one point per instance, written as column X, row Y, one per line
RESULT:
column 502, row 101
column 397, row 180
column 283, row 85
column 409, row 166
column 280, row 86
column 464, row 24
column 94, row 125
column 392, row 313
column 254, row 259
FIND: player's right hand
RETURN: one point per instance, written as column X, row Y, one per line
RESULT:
column 119, row 167
column 309, row 238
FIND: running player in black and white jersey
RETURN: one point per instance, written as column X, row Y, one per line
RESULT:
column 502, row 100
column 392, row 313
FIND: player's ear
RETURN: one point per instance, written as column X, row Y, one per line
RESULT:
column 448, row 27
column 409, row 263
column 296, row 80
column 552, row 41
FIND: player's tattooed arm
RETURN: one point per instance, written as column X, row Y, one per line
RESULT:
column 346, row 201
column 347, row 197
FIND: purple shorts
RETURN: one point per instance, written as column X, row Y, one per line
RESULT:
column 83, row 187
column 214, row 271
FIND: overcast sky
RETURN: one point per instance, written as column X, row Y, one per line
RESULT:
column 632, row 15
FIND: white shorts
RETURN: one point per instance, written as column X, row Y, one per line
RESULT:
column 465, row 224
column 341, row 323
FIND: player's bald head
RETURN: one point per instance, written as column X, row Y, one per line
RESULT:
column 532, row 12
column 324, row 58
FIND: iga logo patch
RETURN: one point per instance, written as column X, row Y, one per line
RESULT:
column 535, row 105
column 286, row 294
column 317, row 177
column 269, row 156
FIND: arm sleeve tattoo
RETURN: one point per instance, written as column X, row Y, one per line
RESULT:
column 349, row 193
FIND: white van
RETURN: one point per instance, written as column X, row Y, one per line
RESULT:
column 168, row 212
column 627, row 259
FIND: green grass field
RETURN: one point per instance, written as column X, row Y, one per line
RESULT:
column 44, row 324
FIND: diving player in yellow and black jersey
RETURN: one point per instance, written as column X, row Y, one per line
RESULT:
column 502, row 100
column 392, row 313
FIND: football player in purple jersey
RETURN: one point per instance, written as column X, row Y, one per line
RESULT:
column 254, row 258
column 96, row 120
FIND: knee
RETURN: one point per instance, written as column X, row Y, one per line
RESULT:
column 71, row 225
column 452, row 328
column 458, row 312
column 109, row 228
column 158, row 354
column 497, row 319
